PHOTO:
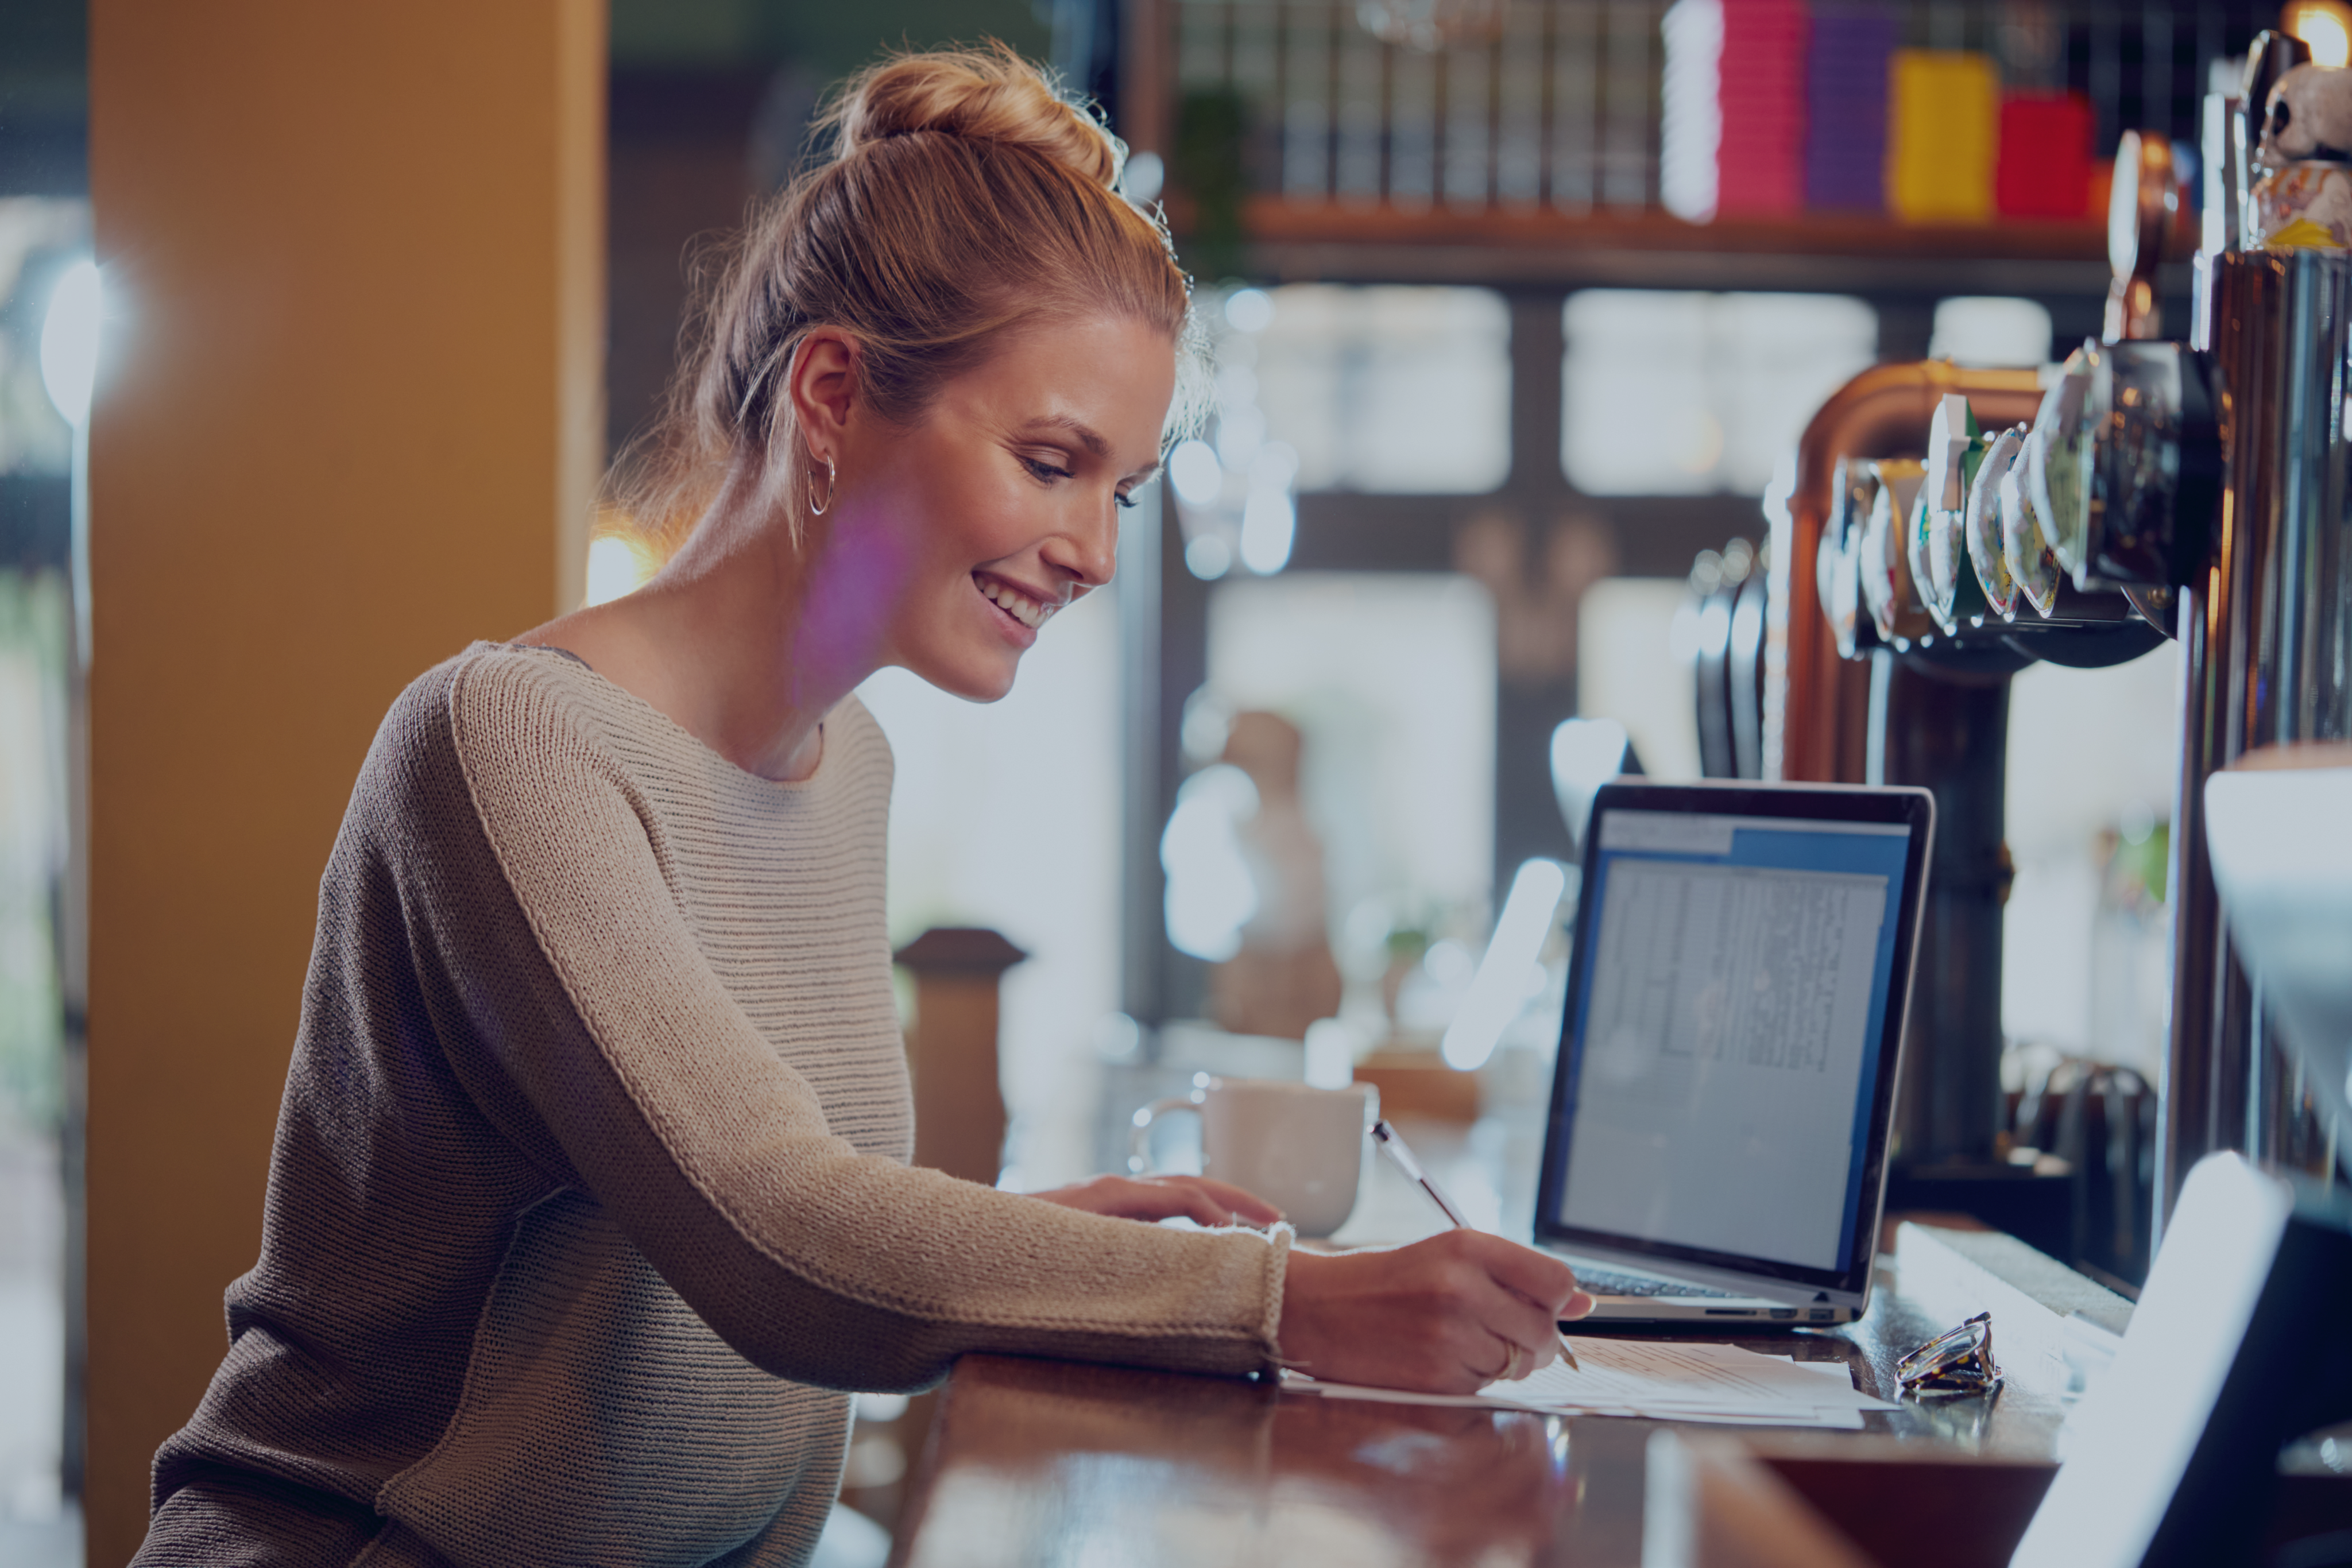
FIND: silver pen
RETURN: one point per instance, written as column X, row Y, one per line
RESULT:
column 1393, row 1145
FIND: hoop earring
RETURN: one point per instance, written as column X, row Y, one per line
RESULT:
column 816, row 509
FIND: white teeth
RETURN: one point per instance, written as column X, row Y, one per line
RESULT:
column 1020, row 606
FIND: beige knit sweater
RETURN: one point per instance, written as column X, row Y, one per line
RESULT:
column 590, row 1186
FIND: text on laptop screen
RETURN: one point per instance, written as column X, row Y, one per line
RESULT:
column 1725, row 1042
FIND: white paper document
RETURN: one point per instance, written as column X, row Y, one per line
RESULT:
column 1664, row 1381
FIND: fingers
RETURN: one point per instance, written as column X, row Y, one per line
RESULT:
column 1207, row 1202
column 1541, row 1278
column 1430, row 1316
column 1497, row 1335
column 1504, row 1309
column 1508, row 1315
column 1196, row 1199
column 1529, row 1289
column 1192, row 1197
column 1520, row 1361
column 1244, row 1204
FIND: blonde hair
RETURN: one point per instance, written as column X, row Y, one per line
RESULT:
column 964, row 197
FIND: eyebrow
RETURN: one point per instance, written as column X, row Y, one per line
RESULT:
column 1092, row 441
column 1085, row 433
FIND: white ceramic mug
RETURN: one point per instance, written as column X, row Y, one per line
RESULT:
column 1299, row 1147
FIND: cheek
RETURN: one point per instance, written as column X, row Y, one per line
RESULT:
column 962, row 502
column 980, row 521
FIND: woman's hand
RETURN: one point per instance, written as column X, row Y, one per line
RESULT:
column 1447, row 1315
column 1192, row 1197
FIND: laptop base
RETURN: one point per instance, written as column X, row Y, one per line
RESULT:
column 1700, row 1311
column 1628, row 1298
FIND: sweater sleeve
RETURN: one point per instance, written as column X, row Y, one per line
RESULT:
column 584, row 987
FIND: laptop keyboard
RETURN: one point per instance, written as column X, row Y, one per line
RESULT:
column 1609, row 1283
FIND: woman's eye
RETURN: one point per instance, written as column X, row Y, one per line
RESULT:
column 1042, row 472
column 1127, row 501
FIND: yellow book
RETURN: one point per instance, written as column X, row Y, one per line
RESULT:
column 1943, row 118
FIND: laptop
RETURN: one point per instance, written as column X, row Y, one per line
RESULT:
column 1716, row 1149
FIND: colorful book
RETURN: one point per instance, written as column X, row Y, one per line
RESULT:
column 1943, row 118
column 1761, row 161
column 2044, row 167
column 1845, row 108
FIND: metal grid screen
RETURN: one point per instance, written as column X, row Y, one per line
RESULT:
column 1559, row 108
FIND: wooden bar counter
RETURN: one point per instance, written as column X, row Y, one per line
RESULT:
column 1035, row 1462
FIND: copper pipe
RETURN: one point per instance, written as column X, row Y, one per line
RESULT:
column 1815, row 702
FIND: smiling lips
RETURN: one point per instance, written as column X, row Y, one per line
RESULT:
column 1029, row 611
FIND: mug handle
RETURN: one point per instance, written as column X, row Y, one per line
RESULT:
column 1139, row 1146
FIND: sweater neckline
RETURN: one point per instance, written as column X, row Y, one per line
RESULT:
column 629, row 699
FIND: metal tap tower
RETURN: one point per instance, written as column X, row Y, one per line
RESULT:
column 2265, row 625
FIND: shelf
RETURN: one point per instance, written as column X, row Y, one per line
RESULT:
column 1281, row 221
column 1300, row 241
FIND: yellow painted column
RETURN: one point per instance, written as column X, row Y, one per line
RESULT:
column 351, row 421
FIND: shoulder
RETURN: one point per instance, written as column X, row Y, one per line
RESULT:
column 500, row 698
column 500, row 710
column 493, row 707
column 487, row 679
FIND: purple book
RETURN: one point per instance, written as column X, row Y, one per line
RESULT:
column 1845, row 93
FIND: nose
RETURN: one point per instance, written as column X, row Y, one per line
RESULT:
column 1088, row 547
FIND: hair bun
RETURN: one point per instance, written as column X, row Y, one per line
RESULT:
column 980, row 95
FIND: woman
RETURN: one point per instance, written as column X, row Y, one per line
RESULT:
column 589, row 1191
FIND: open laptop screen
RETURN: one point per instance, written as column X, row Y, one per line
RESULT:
column 1731, row 1025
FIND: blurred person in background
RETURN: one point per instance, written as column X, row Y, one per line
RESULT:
column 1284, row 978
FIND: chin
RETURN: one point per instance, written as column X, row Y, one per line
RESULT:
column 975, row 682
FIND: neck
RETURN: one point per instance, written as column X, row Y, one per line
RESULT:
column 744, row 641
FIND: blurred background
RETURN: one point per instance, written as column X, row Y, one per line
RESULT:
column 1518, row 307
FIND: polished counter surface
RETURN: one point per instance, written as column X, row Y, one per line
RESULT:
column 1037, row 1462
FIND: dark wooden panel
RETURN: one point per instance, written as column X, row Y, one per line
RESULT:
column 1295, row 242
column 1654, row 536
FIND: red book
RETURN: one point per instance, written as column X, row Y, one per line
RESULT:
column 1761, row 96
column 2043, row 169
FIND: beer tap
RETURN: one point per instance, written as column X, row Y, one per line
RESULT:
column 2005, row 542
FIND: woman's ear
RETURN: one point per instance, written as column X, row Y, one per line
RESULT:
column 823, row 388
